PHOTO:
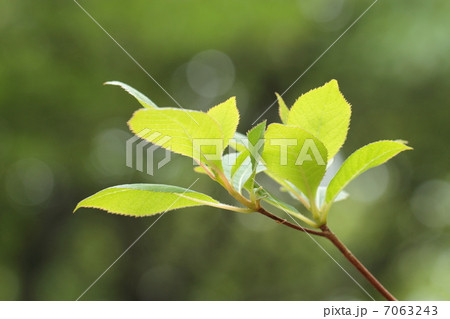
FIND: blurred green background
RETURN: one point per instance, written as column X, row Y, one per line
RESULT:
column 63, row 138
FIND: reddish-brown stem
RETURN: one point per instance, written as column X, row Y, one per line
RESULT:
column 288, row 224
column 327, row 233
column 355, row 262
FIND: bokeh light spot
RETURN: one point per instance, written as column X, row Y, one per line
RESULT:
column 210, row 73
column 29, row 181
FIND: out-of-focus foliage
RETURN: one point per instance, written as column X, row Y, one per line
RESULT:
column 63, row 137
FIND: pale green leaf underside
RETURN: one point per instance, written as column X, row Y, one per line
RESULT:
column 295, row 193
column 240, row 159
column 325, row 113
column 283, row 110
column 240, row 142
column 145, row 199
column 321, row 194
column 366, row 157
column 305, row 175
column 287, row 186
column 179, row 131
column 145, row 101
column 237, row 169
column 226, row 115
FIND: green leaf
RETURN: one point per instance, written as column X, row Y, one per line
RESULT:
column 190, row 133
column 321, row 194
column 256, row 133
column 250, row 183
column 296, row 156
column 238, row 169
column 241, row 166
column 275, row 202
column 255, row 143
column 206, row 170
column 228, row 161
column 324, row 113
column 283, row 110
column 145, row 199
column 239, row 161
column 200, row 170
column 288, row 187
column 145, row 101
column 366, row 157
column 242, row 175
column 239, row 142
column 227, row 115
column 296, row 194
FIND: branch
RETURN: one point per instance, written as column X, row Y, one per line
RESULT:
column 358, row 265
column 279, row 220
column 327, row 233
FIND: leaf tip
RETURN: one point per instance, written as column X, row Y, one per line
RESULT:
column 79, row 205
column 283, row 110
column 405, row 143
column 333, row 82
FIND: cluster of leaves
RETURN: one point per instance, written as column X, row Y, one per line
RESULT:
column 295, row 153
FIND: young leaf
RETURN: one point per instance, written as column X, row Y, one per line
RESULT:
column 366, row 157
column 324, row 113
column 291, row 189
column 190, row 133
column 200, row 170
column 239, row 142
column 237, row 169
column 255, row 143
column 256, row 133
column 145, row 101
column 275, row 202
column 228, row 161
column 242, row 174
column 227, row 115
column 283, row 110
column 241, row 158
column 296, row 156
column 145, row 199
column 321, row 194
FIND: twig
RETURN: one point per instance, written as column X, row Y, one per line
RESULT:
column 355, row 262
column 279, row 220
column 325, row 232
